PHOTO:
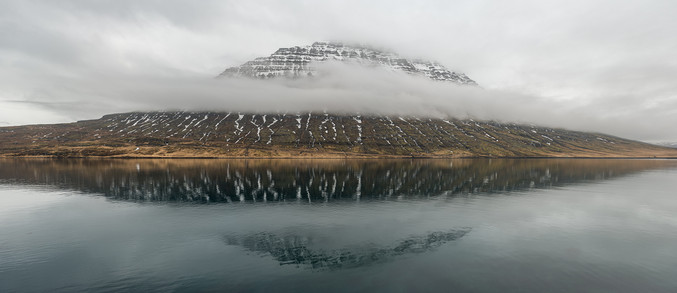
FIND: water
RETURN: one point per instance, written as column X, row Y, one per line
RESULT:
column 564, row 225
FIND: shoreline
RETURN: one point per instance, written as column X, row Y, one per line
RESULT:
column 366, row 157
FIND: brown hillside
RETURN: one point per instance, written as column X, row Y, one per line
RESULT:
column 219, row 134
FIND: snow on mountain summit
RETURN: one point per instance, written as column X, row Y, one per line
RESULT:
column 298, row 62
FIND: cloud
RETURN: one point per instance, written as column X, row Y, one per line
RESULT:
column 590, row 65
column 340, row 88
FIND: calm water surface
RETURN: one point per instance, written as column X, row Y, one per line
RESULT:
column 565, row 225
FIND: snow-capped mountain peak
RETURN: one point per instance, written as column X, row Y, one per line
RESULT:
column 296, row 62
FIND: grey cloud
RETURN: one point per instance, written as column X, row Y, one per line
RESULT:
column 340, row 88
column 589, row 65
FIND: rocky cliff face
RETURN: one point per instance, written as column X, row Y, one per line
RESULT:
column 300, row 62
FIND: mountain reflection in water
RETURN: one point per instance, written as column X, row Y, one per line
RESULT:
column 297, row 250
column 310, row 180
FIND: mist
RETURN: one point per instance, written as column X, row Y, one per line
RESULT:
column 340, row 88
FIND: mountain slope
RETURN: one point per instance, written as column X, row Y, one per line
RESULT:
column 301, row 61
column 223, row 134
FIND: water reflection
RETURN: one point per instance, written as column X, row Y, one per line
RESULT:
column 297, row 250
column 308, row 180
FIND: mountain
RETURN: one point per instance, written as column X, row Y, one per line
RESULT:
column 312, row 134
column 229, row 134
column 301, row 61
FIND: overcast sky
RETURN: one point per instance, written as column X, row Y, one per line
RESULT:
column 607, row 66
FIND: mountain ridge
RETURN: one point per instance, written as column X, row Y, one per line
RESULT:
column 307, row 134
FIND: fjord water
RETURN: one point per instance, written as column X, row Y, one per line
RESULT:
column 522, row 225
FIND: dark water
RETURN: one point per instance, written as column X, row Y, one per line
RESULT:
column 565, row 225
